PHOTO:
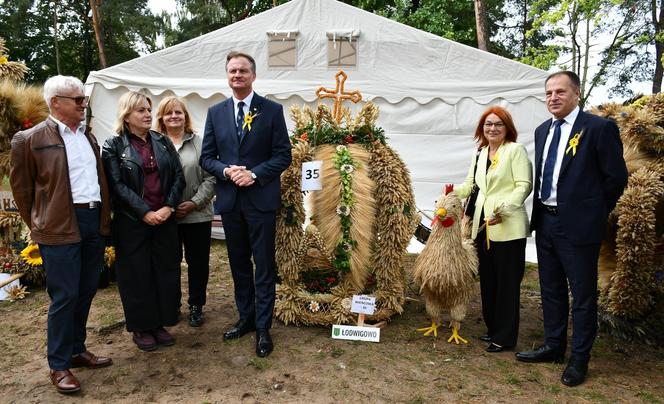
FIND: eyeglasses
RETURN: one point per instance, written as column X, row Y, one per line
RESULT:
column 497, row 125
column 77, row 100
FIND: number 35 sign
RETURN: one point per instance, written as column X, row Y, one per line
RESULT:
column 311, row 175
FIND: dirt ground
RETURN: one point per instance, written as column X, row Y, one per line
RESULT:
column 307, row 365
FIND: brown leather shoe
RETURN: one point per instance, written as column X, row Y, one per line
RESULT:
column 90, row 361
column 64, row 381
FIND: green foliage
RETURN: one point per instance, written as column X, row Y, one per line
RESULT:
column 343, row 161
column 29, row 28
column 198, row 17
column 619, row 29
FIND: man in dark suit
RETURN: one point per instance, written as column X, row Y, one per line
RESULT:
column 246, row 147
column 579, row 175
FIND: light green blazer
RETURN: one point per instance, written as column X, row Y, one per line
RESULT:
column 509, row 182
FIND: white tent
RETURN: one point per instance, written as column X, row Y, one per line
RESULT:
column 430, row 90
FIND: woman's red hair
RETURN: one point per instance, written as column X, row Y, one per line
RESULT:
column 504, row 116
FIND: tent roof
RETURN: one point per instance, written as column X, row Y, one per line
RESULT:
column 394, row 61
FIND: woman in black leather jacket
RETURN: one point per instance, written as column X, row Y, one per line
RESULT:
column 146, row 182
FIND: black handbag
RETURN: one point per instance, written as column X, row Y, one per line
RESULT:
column 469, row 210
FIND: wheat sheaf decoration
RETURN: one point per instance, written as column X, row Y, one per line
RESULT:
column 631, row 265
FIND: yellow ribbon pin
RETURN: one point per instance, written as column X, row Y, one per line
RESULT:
column 248, row 119
column 573, row 143
column 494, row 161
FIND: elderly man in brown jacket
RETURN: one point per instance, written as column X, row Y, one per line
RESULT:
column 60, row 189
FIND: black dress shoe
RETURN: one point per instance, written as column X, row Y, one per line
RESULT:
column 494, row 348
column 263, row 343
column 485, row 338
column 239, row 329
column 195, row 316
column 542, row 354
column 575, row 373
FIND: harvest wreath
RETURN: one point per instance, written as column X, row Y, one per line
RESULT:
column 361, row 221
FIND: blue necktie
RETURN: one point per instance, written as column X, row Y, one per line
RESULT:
column 240, row 119
column 550, row 162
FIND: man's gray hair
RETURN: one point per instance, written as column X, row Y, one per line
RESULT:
column 58, row 84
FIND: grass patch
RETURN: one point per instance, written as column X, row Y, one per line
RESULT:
column 232, row 342
column 260, row 363
column 513, row 380
column 647, row 396
column 595, row 396
column 336, row 352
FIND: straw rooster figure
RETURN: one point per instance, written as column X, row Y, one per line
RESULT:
column 446, row 267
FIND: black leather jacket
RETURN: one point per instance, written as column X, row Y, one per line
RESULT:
column 124, row 171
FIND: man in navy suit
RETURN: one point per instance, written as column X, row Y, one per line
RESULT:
column 246, row 147
column 579, row 175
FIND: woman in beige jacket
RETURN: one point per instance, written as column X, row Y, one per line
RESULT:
column 500, row 223
column 194, row 213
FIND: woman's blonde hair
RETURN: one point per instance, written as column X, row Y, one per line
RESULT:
column 126, row 105
column 168, row 104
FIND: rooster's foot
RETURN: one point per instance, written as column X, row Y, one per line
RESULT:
column 429, row 330
column 456, row 337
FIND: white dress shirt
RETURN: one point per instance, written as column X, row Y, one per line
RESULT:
column 82, row 164
column 565, row 131
column 247, row 104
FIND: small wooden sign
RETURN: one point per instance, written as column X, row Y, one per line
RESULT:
column 363, row 304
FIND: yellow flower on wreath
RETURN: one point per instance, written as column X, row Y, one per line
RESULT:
column 31, row 255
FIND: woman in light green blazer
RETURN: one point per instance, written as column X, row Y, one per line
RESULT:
column 500, row 223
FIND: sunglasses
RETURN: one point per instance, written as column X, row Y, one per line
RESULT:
column 77, row 100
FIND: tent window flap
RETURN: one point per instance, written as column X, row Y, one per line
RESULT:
column 342, row 47
column 282, row 48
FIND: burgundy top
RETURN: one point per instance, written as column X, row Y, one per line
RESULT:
column 152, row 194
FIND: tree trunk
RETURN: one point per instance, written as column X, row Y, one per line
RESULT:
column 96, row 24
column 55, row 36
column 524, row 28
column 659, row 48
column 482, row 26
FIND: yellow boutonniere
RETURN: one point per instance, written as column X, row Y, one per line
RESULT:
column 494, row 161
column 573, row 143
column 248, row 119
column 3, row 60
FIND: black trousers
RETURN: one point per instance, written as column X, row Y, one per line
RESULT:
column 72, row 275
column 501, row 271
column 562, row 263
column 148, row 272
column 195, row 239
column 250, row 235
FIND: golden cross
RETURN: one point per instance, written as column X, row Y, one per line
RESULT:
column 339, row 94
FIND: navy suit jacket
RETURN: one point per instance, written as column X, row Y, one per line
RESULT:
column 590, row 182
column 265, row 150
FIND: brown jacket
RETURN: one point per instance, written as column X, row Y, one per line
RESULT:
column 39, row 179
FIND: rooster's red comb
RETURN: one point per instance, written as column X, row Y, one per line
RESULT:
column 449, row 188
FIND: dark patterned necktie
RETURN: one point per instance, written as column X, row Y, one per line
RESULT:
column 240, row 119
column 550, row 162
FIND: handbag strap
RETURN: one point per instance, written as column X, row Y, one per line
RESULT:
column 477, row 159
